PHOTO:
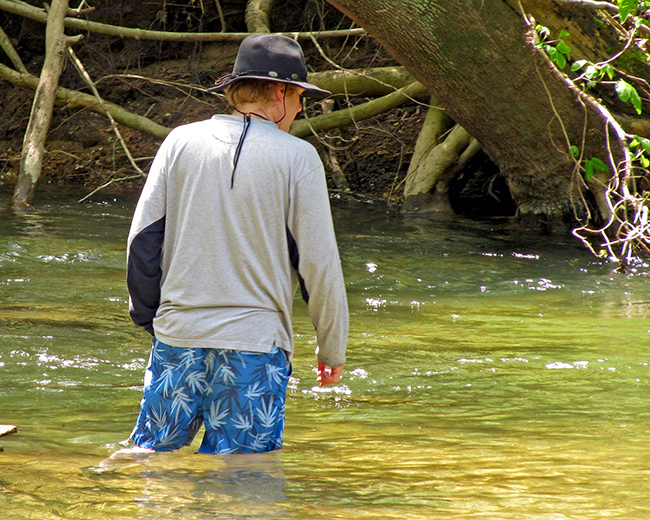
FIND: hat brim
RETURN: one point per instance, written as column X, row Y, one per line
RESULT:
column 311, row 91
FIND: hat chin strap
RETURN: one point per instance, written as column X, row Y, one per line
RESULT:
column 247, row 122
column 284, row 108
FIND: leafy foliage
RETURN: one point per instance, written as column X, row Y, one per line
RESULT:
column 627, row 233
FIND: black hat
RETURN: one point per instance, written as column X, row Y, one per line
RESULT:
column 271, row 57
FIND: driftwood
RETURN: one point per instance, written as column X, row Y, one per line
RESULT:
column 7, row 429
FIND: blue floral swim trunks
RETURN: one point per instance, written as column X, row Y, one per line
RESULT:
column 238, row 396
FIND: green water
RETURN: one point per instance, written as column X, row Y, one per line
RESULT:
column 491, row 374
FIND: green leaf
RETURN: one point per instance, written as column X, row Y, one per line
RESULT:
column 627, row 92
column 625, row 8
column 644, row 161
column 563, row 33
column 578, row 64
column 563, row 47
column 623, row 90
column 593, row 166
column 645, row 144
column 635, row 99
column 609, row 70
column 575, row 151
column 599, row 165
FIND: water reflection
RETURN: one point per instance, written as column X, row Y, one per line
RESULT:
column 181, row 485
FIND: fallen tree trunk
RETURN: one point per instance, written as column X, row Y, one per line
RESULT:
column 31, row 160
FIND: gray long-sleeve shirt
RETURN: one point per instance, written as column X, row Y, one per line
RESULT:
column 218, row 267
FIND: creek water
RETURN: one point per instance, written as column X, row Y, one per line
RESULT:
column 491, row 374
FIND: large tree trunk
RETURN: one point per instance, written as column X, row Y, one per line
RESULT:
column 39, row 122
column 477, row 59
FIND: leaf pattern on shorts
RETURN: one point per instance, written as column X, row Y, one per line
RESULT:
column 240, row 396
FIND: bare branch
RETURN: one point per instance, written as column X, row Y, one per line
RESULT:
column 81, row 9
column 106, row 184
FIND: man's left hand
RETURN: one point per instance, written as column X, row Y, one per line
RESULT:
column 328, row 375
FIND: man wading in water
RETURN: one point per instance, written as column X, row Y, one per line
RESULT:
column 234, row 216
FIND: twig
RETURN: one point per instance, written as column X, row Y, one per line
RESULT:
column 613, row 58
column 106, row 184
column 221, row 17
column 82, row 71
column 181, row 87
column 80, row 9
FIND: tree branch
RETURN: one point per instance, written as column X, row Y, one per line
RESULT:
column 257, row 16
column 40, row 15
column 340, row 118
column 5, row 45
column 74, row 99
column 221, row 17
column 374, row 82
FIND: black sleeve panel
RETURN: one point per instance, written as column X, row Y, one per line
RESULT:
column 143, row 274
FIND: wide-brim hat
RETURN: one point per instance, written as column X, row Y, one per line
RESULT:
column 270, row 57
